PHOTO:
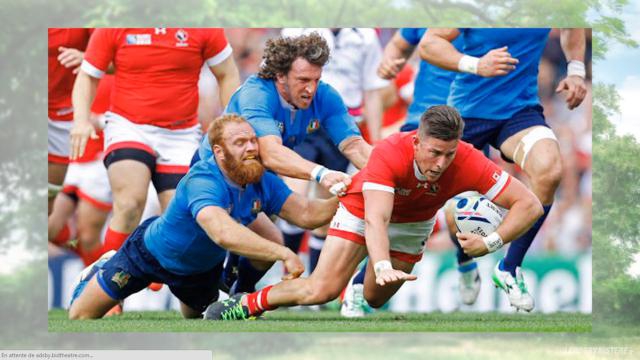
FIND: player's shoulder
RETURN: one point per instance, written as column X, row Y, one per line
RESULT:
column 204, row 170
column 396, row 147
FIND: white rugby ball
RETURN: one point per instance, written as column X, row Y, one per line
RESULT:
column 477, row 215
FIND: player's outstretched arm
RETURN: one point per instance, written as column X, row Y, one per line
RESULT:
column 378, row 206
column 436, row 47
column 308, row 213
column 84, row 91
column 573, row 44
column 230, row 235
column 524, row 209
column 284, row 161
column 395, row 56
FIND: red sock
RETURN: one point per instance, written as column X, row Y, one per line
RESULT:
column 257, row 301
column 89, row 257
column 64, row 235
column 113, row 240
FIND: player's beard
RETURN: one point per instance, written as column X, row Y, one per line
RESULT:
column 242, row 172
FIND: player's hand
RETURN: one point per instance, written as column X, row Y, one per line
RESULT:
column 336, row 182
column 293, row 265
column 389, row 68
column 575, row 90
column 80, row 134
column 472, row 244
column 391, row 276
column 497, row 62
column 70, row 58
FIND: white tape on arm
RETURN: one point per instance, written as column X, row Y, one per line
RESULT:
column 493, row 241
column 318, row 172
column 576, row 68
column 382, row 265
column 468, row 64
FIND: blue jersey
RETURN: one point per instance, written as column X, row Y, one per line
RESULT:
column 258, row 101
column 498, row 98
column 432, row 83
column 177, row 241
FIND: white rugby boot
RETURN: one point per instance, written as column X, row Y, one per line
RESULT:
column 469, row 284
column 353, row 302
column 515, row 288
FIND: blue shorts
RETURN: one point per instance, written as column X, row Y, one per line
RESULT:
column 319, row 148
column 482, row 132
column 133, row 268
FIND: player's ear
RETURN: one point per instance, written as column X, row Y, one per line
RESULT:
column 217, row 150
column 281, row 78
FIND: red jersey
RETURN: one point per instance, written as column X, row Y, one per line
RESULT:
column 157, row 70
column 60, row 78
column 392, row 168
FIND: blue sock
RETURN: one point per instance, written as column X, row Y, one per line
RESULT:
column 230, row 272
column 518, row 248
column 359, row 278
column 315, row 246
column 460, row 255
column 292, row 241
column 248, row 277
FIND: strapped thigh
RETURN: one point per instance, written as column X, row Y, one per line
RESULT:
column 527, row 141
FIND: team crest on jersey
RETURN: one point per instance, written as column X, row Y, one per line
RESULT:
column 256, row 207
column 313, row 126
column 280, row 125
column 182, row 37
column 403, row 192
column 138, row 39
column 121, row 279
column 431, row 189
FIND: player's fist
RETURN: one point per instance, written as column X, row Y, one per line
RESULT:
column 390, row 276
column 472, row 244
column 293, row 265
column 574, row 89
column 389, row 68
column 336, row 182
column 70, row 58
column 497, row 62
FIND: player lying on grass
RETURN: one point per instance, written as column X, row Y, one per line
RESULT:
column 186, row 246
column 392, row 203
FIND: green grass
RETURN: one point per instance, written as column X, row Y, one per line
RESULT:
column 328, row 321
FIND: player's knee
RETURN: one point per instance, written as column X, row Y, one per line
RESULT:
column 548, row 177
column 75, row 313
column 129, row 209
column 320, row 292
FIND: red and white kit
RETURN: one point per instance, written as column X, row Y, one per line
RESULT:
column 61, row 81
column 392, row 168
column 155, row 99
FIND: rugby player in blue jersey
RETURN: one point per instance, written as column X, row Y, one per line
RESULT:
column 284, row 103
column 496, row 92
column 185, row 248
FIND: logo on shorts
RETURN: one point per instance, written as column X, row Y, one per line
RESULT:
column 256, row 207
column 313, row 126
column 121, row 279
column 182, row 38
column 138, row 39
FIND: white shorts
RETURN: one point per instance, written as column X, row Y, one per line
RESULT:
column 89, row 181
column 406, row 240
column 172, row 149
column 59, row 141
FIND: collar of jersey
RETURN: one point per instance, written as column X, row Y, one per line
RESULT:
column 417, row 173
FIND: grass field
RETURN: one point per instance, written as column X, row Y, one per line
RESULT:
column 328, row 321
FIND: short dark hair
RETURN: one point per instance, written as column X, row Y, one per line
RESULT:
column 441, row 122
column 281, row 52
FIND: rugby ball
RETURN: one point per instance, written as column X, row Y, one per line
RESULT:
column 477, row 215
